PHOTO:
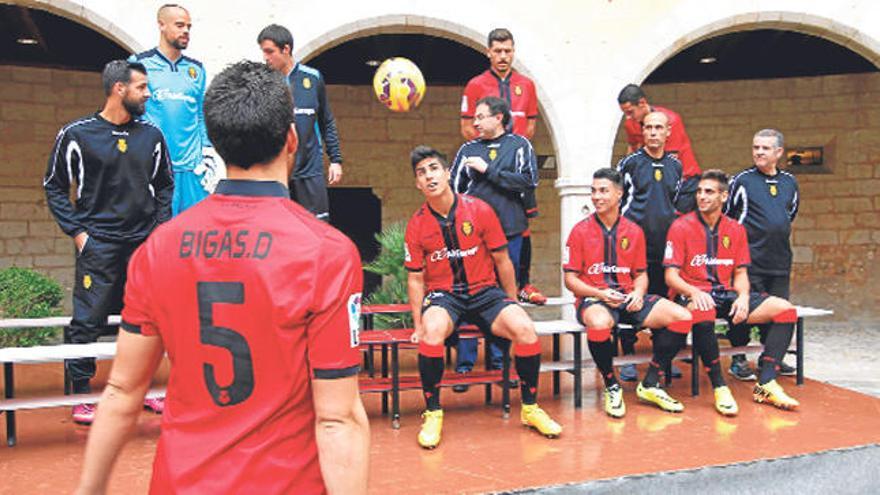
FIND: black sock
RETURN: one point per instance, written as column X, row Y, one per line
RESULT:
column 82, row 386
column 707, row 346
column 603, row 354
column 431, row 372
column 525, row 261
column 666, row 346
column 527, row 367
column 778, row 340
column 628, row 339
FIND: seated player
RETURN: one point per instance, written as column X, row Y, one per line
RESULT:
column 605, row 268
column 454, row 245
column 706, row 260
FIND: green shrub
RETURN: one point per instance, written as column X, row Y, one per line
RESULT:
column 28, row 294
column 389, row 264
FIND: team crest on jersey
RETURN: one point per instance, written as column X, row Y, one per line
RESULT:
column 517, row 90
column 773, row 190
column 122, row 145
column 192, row 73
column 354, row 318
column 493, row 154
column 307, row 83
column 467, row 227
column 725, row 241
column 658, row 175
column 624, row 243
column 87, row 282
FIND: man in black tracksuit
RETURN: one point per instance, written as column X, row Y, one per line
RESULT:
column 765, row 200
column 500, row 168
column 651, row 184
column 123, row 191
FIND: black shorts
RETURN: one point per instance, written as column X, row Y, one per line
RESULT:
column 311, row 194
column 620, row 314
column 724, row 300
column 481, row 308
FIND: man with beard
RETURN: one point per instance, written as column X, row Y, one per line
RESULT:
column 177, row 84
column 123, row 191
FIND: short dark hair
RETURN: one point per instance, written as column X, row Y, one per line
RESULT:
column 496, row 105
column 718, row 176
column 277, row 34
column 170, row 6
column 422, row 151
column 631, row 93
column 500, row 35
column 119, row 71
column 609, row 174
column 248, row 111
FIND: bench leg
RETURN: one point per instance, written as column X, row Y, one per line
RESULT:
column 799, row 354
column 505, row 384
column 578, row 399
column 384, row 375
column 695, row 371
column 9, row 393
column 395, row 388
column 555, row 359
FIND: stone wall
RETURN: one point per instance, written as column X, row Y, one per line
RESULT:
column 836, row 233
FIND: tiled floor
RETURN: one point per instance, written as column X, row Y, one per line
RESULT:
column 482, row 452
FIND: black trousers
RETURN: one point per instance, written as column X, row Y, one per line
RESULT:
column 775, row 285
column 311, row 194
column 97, row 293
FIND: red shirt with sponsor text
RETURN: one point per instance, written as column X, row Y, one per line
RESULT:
column 517, row 89
column 455, row 251
column 253, row 298
column 707, row 257
column 678, row 142
column 606, row 258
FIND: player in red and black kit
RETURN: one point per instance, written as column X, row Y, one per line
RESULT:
column 454, row 247
column 634, row 104
column 257, row 304
column 707, row 259
column 502, row 81
column 605, row 267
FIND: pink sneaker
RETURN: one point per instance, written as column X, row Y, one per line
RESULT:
column 83, row 414
column 156, row 405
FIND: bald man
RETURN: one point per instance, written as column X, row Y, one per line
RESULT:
column 652, row 179
column 177, row 83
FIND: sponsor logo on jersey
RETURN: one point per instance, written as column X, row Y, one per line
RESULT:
column 354, row 318
column 773, row 190
column 307, row 83
column 668, row 253
column 517, row 90
column 303, row 111
column 624, row 243
column 192, row 73
column 467, row 227
column 493, row 154
column 600, row 268
column 122, row 145
column 87, row 281
column 725, row 241
column 703, row 260
column 442, row 254
column 658, row 175
column 166, row 94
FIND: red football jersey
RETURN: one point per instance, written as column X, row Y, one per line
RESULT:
column 518, row 90
column 606, row 258
column 456, row 251
column 678, row 142
column 253, row 298
column 707, row 258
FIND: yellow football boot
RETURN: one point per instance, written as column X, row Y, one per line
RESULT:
column 772, row 393
column 534, row 417
column 614, row 405
column 724, row 402
column 658, row 397
column 429, row 435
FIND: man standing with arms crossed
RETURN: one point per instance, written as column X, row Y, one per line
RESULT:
column 123, row 191
column 519, row 91
column 257, row 303
column 499, row 168
column 315, row 124
column 765, row 200
column 177, row 83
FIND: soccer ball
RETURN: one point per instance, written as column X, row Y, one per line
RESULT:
column 399, row 84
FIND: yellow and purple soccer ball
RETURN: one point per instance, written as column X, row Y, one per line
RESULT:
column 399, row 84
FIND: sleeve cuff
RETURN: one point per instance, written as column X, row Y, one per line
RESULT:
column 499, row 248
column 323, row 374
column 414, row 270
column 130, row 328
